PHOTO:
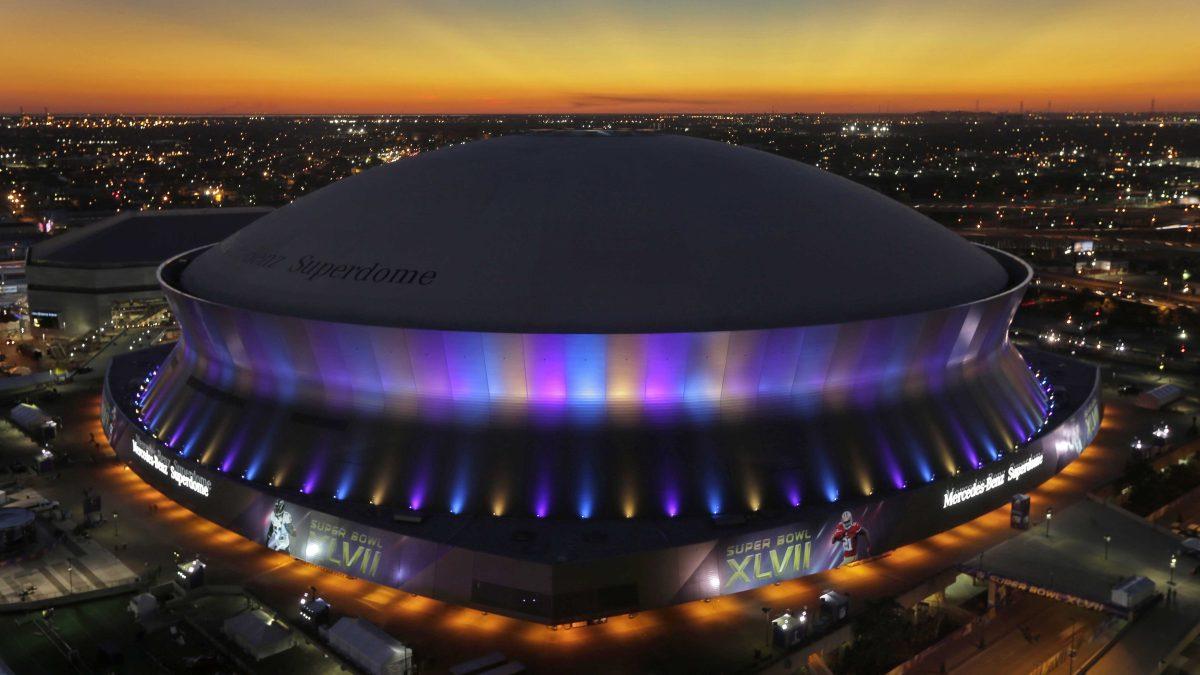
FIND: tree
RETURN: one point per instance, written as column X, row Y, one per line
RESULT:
column 882, row 639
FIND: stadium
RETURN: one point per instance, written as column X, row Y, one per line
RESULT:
column 563, row 376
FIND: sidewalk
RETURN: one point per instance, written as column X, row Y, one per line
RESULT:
column 152, row 527
column 69, row 566
column 1048, row 628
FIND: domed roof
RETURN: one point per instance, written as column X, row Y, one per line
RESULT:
column 585, row 232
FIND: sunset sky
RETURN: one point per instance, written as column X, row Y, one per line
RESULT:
column 333, row 56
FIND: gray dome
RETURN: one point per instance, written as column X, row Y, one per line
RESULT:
column 595, row 233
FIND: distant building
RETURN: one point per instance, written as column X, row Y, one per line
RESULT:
column 1102, row 266
column 75, row 279
column 15, row 240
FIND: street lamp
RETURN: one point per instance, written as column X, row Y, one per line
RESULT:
column 1173, row 561
column 71, row 576
column 116, row 525
column 1107, row 538
column 767, row 615
column 1049, row 516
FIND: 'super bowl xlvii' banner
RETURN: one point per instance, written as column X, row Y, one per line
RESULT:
column 324, row 540
column 797, row 550
column 337, row 544
column 833, row 537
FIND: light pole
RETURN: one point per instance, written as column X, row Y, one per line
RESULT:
column 767, row 615
column 1071, row 650
column 1107, row 538
column 71, row 578
column 1049, row 517
column 116, row 525
column 1173, row 561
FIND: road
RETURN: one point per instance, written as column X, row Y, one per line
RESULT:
column 1112, row 286
column 1124, row 237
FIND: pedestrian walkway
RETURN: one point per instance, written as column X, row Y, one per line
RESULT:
column 68, row 566
column 1082, row 554
column 1023, row 635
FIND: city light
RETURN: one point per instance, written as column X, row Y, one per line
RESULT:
column 606, row 387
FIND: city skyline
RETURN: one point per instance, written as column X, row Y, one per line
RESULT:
column 472, row 57
column 641, row 336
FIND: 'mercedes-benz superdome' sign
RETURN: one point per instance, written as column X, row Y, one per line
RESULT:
column 312, row 268
column 991, row 481
column 182, row 475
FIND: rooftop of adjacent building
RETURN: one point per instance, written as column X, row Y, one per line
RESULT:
column 141, row 238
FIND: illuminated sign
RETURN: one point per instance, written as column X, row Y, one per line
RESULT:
column 1017, row 470
column 766, row 559
column 1032, row 589
column 331, row 544
column 181, row 475
column 325, row 540
column 988, row 483
column 187, row 478
column 958, row 495
column 152, row 457
column 44, row 319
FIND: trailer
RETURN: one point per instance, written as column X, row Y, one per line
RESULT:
column 34, row 422
column 1133, row 592
column 1159, row 397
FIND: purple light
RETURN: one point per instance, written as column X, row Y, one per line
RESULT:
column 376, row 367
column 899, row 370
column 417, row 498
column 542, row 498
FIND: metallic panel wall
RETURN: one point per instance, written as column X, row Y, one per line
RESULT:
column 350, row 369
column 581, row 425
column 577, row 570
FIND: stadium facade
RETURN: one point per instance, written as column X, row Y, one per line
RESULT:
column 562, row 376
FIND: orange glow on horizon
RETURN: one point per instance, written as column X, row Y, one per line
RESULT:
column 472, row 56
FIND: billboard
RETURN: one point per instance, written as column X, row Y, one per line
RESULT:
column 335, row 543
column 796, row 550
column 832, row 537
column 778, row 547
column 323, row 540
column 47, row 320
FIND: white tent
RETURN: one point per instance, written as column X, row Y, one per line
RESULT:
column 258, row 634
column 369, row 648
column 142, row 606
